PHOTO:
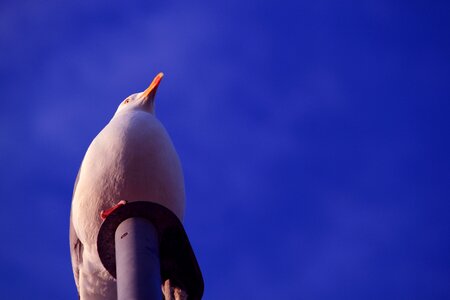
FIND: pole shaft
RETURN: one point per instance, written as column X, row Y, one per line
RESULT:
column 137, row 260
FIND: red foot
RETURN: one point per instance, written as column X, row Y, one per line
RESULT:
column 105, row 213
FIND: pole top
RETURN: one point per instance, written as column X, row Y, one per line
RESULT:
column 177, row 258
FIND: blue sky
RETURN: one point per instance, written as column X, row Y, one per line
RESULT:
column 313, row 137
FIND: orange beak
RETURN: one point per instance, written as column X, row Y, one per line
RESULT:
column 149, row 93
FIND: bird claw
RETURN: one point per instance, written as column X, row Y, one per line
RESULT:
column 105, row 213
column 172, row 292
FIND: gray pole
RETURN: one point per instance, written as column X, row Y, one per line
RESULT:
column 142, row 244
column 137, row 260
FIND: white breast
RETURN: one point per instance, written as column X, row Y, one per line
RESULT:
column 132, row 159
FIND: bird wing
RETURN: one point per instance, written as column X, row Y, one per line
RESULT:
column 76, row 247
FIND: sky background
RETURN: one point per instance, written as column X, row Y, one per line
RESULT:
column 313, row 136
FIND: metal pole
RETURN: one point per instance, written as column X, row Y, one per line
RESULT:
column 137, row 260
column 128, row 245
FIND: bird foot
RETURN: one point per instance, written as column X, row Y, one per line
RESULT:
column 105, row 213
column 172, row 292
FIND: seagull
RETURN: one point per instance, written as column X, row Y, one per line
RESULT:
column 131, row 159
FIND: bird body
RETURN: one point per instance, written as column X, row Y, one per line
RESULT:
column 131, row 159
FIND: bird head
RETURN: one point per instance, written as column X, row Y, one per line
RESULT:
column 143, row 100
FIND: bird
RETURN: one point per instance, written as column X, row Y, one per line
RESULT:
column 131, row 159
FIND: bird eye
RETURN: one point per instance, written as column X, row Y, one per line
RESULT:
column 126, row 101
